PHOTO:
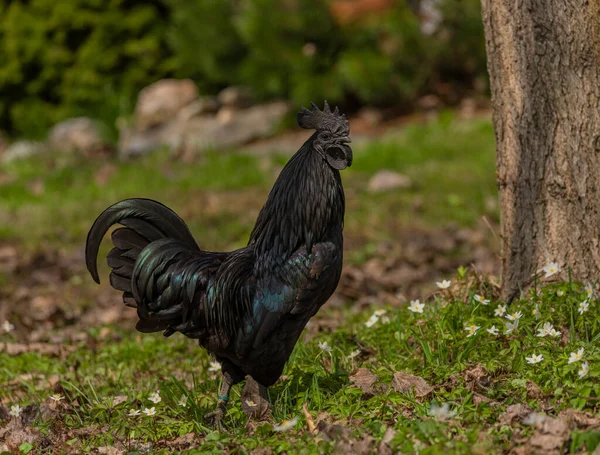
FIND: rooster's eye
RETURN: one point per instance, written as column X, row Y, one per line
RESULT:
column 325, row 136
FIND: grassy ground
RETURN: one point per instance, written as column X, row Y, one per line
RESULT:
column 469, row 394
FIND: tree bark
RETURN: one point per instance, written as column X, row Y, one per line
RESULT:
column 543, row 61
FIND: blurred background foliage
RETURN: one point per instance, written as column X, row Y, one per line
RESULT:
column 73, row 57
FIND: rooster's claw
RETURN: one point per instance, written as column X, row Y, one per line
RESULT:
column 215, row 418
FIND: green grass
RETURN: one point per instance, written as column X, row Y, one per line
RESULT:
column 53, row 201
column 433, row 345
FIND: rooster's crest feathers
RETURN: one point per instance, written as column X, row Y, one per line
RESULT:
column 325, row 119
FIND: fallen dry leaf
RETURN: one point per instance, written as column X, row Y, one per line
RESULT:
column 119, row 399
column 42, row 307
column 253, row 404
column 364, row 445
column 477, row 378
column 109, row 450
column 309, row 420
column 513, row 413
column 550, row 437
column 384, row 447
column 408, row 383
column 533, row 391
column 262, row 451
column 479, row 398
column 331, row 432
column 580, row 419
column 364, row 380
column 8, row 258
column 183, row 442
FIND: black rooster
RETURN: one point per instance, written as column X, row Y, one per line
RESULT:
column 249, row 306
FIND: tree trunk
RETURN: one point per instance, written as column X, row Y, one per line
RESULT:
column 543, row 60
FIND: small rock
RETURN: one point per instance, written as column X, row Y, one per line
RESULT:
column 370, row 116
column 229, row 128
column 226, row 114
column 429, row 102
column 235, row 127
column 79, row 134
column 385, row 180
column 238, row 97
column 467, row 108
column 202, row 106
column 162, row 101
column 22, row 149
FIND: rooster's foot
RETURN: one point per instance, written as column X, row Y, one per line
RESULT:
column 215, row 418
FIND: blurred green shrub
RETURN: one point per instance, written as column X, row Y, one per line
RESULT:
column 91, row 57
column 296, row 49
column 73, row 57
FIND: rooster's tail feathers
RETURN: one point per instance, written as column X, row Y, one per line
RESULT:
column 146, row 221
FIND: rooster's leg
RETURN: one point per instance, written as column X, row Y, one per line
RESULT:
column 216, row 416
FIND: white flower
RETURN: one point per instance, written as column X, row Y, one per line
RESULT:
column 583, row 307
column 379, row 313
column 444, row 284
column 251, row 403
column 442, row 412
column 471, row 329
column 534, row 359
column 545, row 330
column 183, row 401
column 511, row 327
column 493, row 330
column 515, row 316
column 372, row 321
column 536, row 311
column 155, row 398
column 286, row 425
column 416, row 306
column 324, row 346
column 481, row 299
column 385, row 320
column 576, row 356
column 149, row 412
column 214, row 367
column 353, row 354
column 500, row 310
column 585, row 369
column 589, row 291
column 7, row 327
column 15, row 410
column 550, row 269
column 57, row 397
column 554, row 333
column 560, row 293
column 133, row 413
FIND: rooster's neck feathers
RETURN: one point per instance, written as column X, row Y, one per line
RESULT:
column 305, row 206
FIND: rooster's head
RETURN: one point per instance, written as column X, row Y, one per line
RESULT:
column 332, row 137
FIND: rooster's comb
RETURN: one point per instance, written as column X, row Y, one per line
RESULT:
column 316, row 119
